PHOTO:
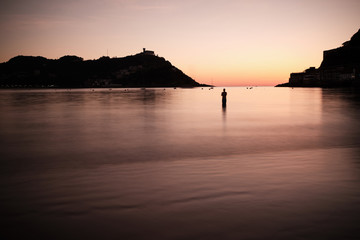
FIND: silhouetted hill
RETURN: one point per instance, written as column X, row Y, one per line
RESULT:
column 340, row 68
column 348, row 54
column 140, row 70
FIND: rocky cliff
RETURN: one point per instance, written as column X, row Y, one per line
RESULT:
column 340, row 68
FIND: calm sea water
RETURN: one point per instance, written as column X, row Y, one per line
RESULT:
column 276, row 163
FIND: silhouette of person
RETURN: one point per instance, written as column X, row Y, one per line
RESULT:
column 223, row 94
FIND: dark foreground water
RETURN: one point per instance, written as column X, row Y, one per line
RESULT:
column 277, row 163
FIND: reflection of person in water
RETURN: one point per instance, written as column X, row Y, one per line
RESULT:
column 223, row 94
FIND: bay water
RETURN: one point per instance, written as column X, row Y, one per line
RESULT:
column 275, row 163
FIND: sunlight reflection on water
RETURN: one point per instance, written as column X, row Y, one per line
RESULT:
column 131, row 163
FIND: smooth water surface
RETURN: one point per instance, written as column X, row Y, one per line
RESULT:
column 276, row 163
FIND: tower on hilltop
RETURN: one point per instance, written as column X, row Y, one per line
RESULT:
column 148, row 52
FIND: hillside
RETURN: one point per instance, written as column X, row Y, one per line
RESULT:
column 140, row 70
column 340, row 68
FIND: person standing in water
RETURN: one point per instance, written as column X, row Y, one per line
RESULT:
column 223, row 94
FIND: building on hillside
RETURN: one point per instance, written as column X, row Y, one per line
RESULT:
column 340, row 67
column 310, row 77
column 148, row 52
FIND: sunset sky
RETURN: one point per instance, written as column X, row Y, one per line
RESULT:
column 224, row 42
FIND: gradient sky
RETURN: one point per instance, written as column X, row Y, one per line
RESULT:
column 227, row 42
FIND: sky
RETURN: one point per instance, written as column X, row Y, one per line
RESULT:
column 220, row 42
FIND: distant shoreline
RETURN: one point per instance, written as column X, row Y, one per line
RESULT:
column 109, row 87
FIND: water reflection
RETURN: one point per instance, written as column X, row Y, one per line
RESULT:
column 224, row 117
column 277, row 164
column 340, row 111
column 224, row 112
column 146, row 124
